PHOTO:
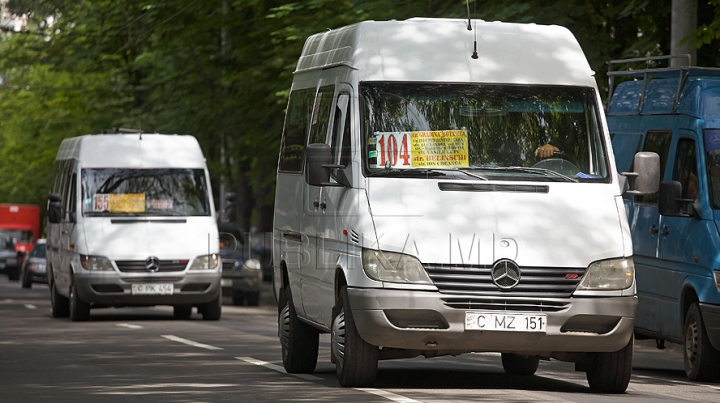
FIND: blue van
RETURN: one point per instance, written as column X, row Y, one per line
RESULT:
column 674, row 112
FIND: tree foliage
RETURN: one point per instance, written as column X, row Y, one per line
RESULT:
column 221, row 70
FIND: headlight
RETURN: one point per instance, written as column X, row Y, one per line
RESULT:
column 11, row 261
column 613, row 274
column 96, row 263
column 393, row 267
column 716, row 273
column 37, row 267
column 253, row 264
column 205, row 262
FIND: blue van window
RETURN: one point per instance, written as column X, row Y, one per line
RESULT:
column 686, row 168
column 712, row 150
column 657, row 141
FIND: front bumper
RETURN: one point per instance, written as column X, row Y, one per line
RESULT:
column 421, row 320
column 108, row 288
column 711, row 318
column 244, row 280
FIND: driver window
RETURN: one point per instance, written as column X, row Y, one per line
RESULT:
column 686, row 168
column 341, row 137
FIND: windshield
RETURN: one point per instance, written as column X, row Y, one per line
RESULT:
column 498, row 132
column 16, row 235
column 39, row 250
column 144, row 192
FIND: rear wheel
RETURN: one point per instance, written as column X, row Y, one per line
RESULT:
column 79, row 309
column 355, row 359
column 60, row 304
column 182, row 312
column 514, row 364
column 702, row 360
column 299, row 341
column 26, row 279
column 610, row 372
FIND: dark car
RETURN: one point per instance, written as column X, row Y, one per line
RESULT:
column 34, row 267
column 9, row 259
column 242, row 272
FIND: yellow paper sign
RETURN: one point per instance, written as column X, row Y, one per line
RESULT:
column 127, row 203
column 441, row 148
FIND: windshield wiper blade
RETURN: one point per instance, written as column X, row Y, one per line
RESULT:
column 544, row 171
column 408, row 173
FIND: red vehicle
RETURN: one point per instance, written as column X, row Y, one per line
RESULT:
column 19, row 230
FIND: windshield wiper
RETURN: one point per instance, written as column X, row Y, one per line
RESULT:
column 536, row 171
column 408, row 173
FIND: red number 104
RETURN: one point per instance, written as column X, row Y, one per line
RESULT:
column 390, row 152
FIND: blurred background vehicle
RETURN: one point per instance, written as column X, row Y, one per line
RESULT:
column 34, row 266
column 242, row 274
column 9, row 258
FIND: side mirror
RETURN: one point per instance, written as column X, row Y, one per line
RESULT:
column 54, row 208
column 671, row 204
column 645, row 178
column 318, row 163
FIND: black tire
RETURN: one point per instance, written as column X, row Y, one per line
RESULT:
column 79, row 309
column 610, row 372
column 182, row 312
column 13, row 274
column 299, row 341
column 356, row 360
column 253, row 298
column 60, row 305
column 514, row 364
column 212, row 310
column 26, row 280
column 702, row 360
column 238, row 298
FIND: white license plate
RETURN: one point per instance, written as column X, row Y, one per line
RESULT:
column 226, row 282
column 505, row 322
column 152, row 289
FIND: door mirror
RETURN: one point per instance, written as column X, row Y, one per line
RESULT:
column 645, row 178
column 54, row 208
column 671, row 203
column 318, row 163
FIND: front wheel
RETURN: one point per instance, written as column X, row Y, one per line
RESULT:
column 79, row 309
column 212, row 310
column 610, row 372
column 299, row 341
column 60, row 305
column 514, row 364
column 355, row 359
column 702, row 360
column 26, row 279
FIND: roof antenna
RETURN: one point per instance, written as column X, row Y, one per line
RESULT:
column 469, row 28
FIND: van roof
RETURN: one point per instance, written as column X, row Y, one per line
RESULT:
column 133, row 151
column 440, row 50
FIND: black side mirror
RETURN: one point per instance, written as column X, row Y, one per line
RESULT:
column 54, row 208
column 318, row 163
column 645, row 178
column 671, row 203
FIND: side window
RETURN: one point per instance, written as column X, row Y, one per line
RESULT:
column 341, row 131
column 657, row 141
column 297, row 123
column 72, row 194
column 321, row 114
column 686, row 168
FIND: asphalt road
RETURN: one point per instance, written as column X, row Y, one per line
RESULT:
column 144, row 355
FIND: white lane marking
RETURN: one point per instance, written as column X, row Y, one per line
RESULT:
column 129, row 326
column 378, row 392
column 190, row 342
column 388, row 395
column 30, row 306
column 278, row 368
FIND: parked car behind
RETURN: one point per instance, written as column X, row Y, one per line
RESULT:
column 33, row 268
column 242, row 273
column 9, row 259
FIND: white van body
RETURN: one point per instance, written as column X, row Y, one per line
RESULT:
column 135, row 226
column 449, row 225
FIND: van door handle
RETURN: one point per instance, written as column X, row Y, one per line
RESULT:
column 665, row 230
column 322, row 205
column 64, row 232
column 653, row 230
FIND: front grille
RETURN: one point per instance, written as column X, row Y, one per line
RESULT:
column 505, row 305
column 475, row 280
column 138, row 266
column 228, row 264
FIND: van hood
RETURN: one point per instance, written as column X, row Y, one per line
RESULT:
column 137, row 239
column 534, row 224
